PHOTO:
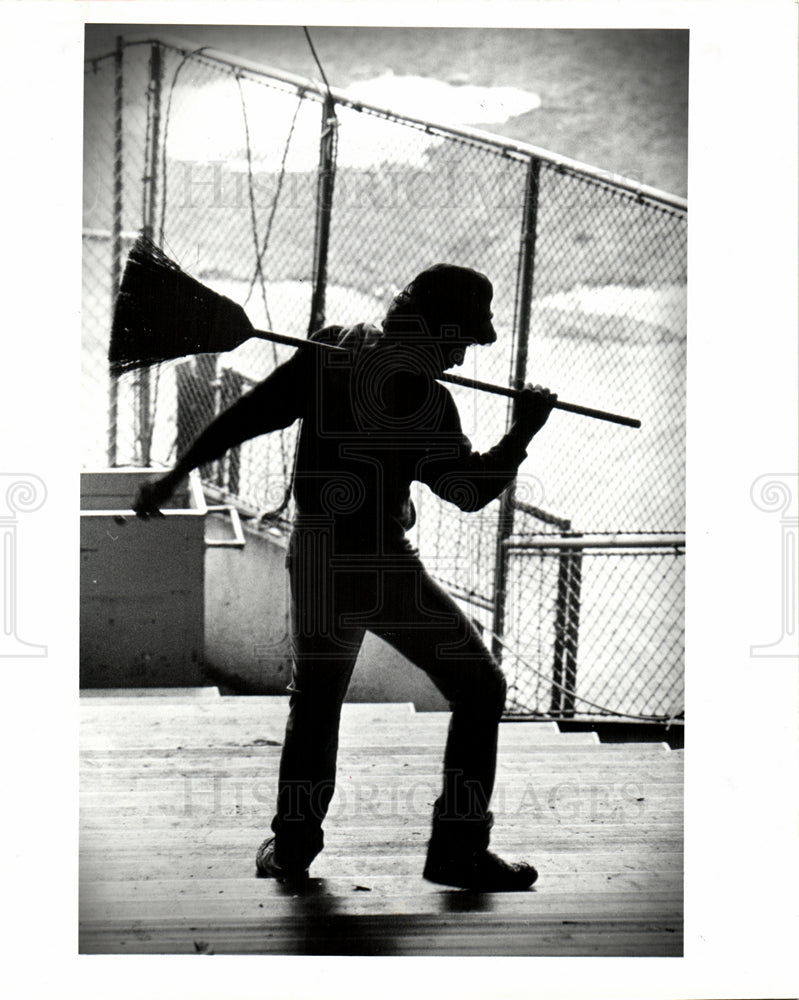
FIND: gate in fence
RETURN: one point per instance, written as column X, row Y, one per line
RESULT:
column 306, row 206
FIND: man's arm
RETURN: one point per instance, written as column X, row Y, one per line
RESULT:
column 471, row 479
column 273, row 404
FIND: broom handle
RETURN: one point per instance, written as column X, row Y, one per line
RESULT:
column 586, row 411
column 470, row 383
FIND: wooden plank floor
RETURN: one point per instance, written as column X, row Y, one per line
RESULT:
column 178, row 791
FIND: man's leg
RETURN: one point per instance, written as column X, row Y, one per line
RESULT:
column 426, row 625
column 324, row 653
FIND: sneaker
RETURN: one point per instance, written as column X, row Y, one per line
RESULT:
column 267, row 867
column 482, row 872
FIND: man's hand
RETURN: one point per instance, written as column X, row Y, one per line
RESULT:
column 152, row 496
column 533, row 407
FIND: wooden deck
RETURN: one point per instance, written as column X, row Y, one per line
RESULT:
column 177, row 792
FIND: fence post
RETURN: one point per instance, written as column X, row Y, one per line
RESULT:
column 231, row 390
column 116, row 239
column 567, row 626
column 324, row 208
column 151, row 193
column 523, row 307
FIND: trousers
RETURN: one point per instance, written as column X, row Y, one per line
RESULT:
column 335, row 599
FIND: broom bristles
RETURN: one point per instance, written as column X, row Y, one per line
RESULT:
column 162, row 313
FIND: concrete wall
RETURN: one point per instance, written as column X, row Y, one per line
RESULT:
column 247, row 630
column 141, row 587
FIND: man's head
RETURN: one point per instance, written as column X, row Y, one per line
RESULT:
column 445, row 308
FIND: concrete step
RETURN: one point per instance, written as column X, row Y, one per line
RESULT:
column 124, row 862
column 136, row 696
column 400, row 892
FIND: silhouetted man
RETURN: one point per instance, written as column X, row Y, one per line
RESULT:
column 374, row 419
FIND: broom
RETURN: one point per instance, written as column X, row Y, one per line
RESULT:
column 162, row 313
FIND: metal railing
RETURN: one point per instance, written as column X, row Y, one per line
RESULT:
column 615, row 598
column 308, row 207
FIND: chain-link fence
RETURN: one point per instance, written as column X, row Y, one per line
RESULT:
column 606, row 600
column 307, row 207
